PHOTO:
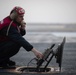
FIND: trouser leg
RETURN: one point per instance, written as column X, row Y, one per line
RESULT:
column 8, row 50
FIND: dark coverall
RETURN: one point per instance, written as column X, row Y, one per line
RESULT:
column 10, row 45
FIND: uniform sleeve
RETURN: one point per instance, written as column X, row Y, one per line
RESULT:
column 22, row 32
column 15, row 36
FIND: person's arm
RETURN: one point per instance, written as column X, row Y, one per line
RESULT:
column 17, row 38
column 22, row 28
column 37, row 53
column 22, row 32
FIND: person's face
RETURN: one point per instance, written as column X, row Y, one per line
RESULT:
column 20, row 18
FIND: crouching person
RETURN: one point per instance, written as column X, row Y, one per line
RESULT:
column 12, row 28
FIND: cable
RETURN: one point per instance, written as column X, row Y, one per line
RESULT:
column 31, row 61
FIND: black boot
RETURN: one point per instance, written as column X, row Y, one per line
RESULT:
column 3, row 65
column 11, row 63
column 7, row 64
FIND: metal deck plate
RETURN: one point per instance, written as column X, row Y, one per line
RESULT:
column 30, row 69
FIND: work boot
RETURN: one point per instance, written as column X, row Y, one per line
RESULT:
column 11, row 63
column 3, row 65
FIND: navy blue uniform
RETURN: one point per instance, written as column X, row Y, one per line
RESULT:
column 10, row 45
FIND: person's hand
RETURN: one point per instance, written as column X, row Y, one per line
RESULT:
column 37, row 53
column 23, row 25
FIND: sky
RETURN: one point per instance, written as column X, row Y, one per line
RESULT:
column 42, row 11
